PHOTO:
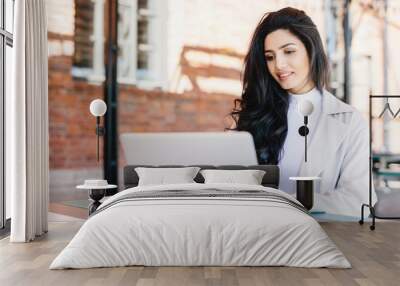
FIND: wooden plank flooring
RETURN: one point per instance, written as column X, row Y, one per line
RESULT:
column 59, row 208
column 375, row 257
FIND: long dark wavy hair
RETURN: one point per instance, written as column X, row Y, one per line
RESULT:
column 262, row 109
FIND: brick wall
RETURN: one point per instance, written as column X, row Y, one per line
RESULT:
column 72, row 137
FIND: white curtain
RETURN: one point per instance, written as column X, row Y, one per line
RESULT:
column 27, row 148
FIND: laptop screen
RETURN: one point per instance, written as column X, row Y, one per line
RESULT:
column 189, row 148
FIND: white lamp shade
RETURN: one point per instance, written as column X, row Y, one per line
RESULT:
column 305, row 107
column 98, row 107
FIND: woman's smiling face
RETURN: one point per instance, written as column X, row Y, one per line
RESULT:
column 288, row 61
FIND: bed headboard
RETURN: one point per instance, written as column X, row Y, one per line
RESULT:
column 271, row 177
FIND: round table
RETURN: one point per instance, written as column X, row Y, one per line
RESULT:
column 96, row 193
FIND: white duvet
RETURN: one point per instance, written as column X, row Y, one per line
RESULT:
column 200, row 231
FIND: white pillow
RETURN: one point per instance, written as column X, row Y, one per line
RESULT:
column 248, row 177
column 164, row 176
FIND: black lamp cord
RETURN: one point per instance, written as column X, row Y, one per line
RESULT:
column 99, row 132
column 305, row 138
column 303, row 131
column 98, row 136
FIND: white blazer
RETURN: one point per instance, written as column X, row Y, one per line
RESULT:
column 338, row 152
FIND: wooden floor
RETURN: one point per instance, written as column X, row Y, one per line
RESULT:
column 375, row 257
column 68, row 210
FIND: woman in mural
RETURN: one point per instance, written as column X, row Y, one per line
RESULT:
column 285, row 65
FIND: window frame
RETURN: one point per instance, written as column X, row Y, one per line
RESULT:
column 6, row 39
column 154, row 77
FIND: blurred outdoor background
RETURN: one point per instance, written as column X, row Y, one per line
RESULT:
column 179, row 69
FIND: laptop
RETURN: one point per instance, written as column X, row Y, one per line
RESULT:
column 189, row 148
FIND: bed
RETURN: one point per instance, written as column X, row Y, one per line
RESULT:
column 201, row 224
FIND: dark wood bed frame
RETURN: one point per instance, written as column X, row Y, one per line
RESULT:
column 270, row 179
